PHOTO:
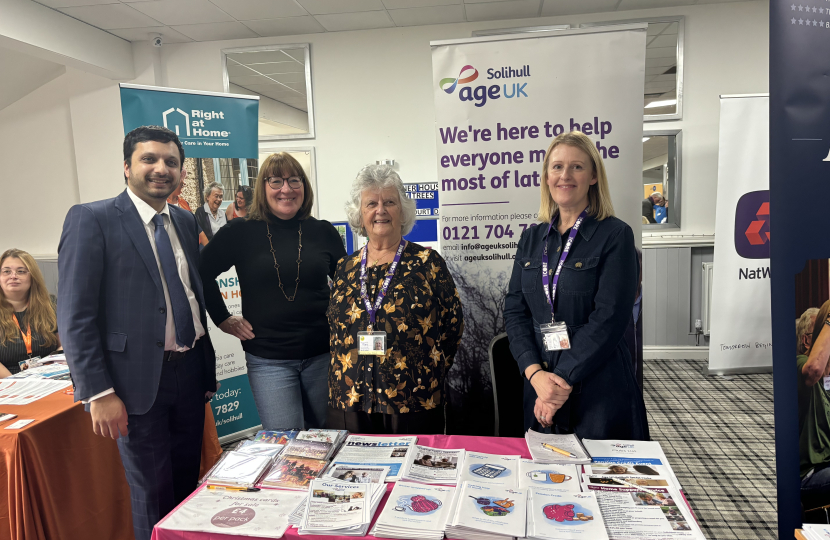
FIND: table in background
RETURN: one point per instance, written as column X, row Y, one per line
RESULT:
column 62, row 481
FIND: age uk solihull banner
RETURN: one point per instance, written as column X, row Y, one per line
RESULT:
column 499, row 101
column 210, row 125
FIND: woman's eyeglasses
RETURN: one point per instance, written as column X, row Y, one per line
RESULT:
column 6, row 272
column 277, row 182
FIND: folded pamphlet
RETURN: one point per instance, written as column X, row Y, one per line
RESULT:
column 237, row 469
column 632, row 458
column 557, row 515
column 433, row 465
column 415, row 511
column 336, row 508
column 487, row 512
column 549, row 475
column 543, row 448
column 360, row 450
column 490, row 469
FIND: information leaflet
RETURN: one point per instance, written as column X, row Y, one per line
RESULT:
column 553, row 476
column 377, row 451
column 554, row 515
column 433, row 465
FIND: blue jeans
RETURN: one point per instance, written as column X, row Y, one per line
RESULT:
column 290, row 393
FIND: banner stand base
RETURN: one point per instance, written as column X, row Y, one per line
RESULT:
column 668, row 352
column 748, row 370
column 239, row 435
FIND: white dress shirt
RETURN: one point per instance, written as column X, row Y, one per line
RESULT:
column 217, row 222
column 146, row 213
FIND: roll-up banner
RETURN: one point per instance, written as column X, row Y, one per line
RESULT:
column 209, row 125
column 799, row 191
column 741, row 338
column 499, row 101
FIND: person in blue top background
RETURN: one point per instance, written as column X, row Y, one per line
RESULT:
column 589, row 389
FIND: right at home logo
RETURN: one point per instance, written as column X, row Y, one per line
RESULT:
column 752, row 225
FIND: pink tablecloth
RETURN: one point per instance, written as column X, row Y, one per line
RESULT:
column 491, row 445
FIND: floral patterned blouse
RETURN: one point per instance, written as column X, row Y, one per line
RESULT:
column 422, row 317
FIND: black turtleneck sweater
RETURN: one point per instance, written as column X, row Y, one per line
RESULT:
column 284, row 330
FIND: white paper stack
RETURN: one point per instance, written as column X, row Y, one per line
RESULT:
column 361, row 474
column 236, row 469
column 632, row 458
column 259, row 448
column 549, row 476
column 539, row 445
column 816, row 532
column 296, row 517
column 336, row 508
column 433, row 465
column 415, row 511
column 491, row 469
column 483, row 512
column 557, row 515
column 359, row 450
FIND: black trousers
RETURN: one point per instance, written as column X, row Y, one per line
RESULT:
column 419, row 423
column 162, row 452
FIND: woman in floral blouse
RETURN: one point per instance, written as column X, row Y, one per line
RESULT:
column 392, row 344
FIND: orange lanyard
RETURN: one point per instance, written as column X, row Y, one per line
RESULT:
column 27, row 337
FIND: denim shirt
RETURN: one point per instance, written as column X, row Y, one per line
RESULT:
column 595, row 296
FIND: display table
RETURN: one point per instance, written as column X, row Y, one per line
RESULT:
column 62, row 481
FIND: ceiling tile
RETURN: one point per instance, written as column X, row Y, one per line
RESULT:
column 664, row 40
column 110, row 16
column 427, row 15
column 216, row 31
column 277, row 57
column 73, row 3
column 324, row 7
column 577, row 7
column 143, row 34
column 650, row 4
column 661, row 52
column 517, row 9
column 183, row 12
column 366, row 20
column 403, row 4
column 248, row 10
column 660, row 62
column 289, row 26
column 656, row 28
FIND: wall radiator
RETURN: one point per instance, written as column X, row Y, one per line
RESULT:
column 706, row 293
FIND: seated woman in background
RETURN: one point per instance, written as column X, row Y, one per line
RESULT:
column 239, row 208
column 814, row 413
column 209, row 217
column 28, row 324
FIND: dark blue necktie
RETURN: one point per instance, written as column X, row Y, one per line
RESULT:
column 182, row 315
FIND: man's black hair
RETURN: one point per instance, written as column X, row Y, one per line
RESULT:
column 149, row 133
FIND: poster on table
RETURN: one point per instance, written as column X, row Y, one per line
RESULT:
column 741, row 338
column 499, row 102
column 209, row 125
column 799, row 183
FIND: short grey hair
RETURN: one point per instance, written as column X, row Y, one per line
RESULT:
column 213, row 185
column 378, row 177
column 804, row 325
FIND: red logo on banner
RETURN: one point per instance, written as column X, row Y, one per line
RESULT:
column 758, row 231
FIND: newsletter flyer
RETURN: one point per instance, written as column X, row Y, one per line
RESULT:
column 433, row 465
column 377, row 451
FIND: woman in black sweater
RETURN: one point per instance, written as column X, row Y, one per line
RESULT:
column 284, row 259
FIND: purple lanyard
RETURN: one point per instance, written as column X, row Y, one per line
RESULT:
column 372, row 310
column 550, row 289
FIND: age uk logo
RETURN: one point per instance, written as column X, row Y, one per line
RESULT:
column 448, row 85
column 752, row 225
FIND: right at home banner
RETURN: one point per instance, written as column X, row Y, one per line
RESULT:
column 499, row 102
column 741, row 336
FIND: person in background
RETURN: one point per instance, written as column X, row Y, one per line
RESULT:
column 209, row 217
column 814, row 411
column 239, row 207
column 804, row 331
column 403, row 291
column 589, row 258
column 176, row 199
column 28, row 323
column 131, row 310
column 648, row 211
column 284, row 259
column 661, row 207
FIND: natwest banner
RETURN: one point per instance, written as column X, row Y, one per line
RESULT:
column 499, row 101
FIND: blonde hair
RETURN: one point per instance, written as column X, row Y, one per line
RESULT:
column 40, row 313
column 276, row 165
column 599, row 196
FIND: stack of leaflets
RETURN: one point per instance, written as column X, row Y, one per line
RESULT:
column 491, row 469
column 293, row 472
column 629, row 458
column 309, row 448
column 259, row 448
column 815, row 531
column 657, row 513
column 276, row 437
column 482, row 512
column 620, row 480
column 296, row 517
column 557, row 515
column 358, row 475
column 336, row 508
column 550, row 448
column 433, row 465
column 333, row 436
column 550, row 476
column 261, row 514
column 237, row 469
column 415, row 511
column 360, row 450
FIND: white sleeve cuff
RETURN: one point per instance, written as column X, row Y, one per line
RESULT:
column 96, row 396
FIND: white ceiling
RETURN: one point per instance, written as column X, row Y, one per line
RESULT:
column 181, row 21
column 22, row 74
column 279, row 75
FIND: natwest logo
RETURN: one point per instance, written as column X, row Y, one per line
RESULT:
column 752, row 236
column 480, row 94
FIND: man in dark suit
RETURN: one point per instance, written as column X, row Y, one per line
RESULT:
column 132, row 320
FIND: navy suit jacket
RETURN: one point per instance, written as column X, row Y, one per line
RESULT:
column 111, row 308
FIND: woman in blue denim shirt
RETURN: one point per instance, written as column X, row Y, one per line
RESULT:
column 589, row 389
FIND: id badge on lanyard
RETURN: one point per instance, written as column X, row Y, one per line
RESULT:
column 555, row 335
column 371, row 341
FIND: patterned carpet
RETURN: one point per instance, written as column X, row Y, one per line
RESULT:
column 717, row 433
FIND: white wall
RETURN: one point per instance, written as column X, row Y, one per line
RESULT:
column 373, row 100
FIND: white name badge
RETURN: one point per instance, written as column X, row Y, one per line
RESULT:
column 827, row 383
column 555, row 336
column 374, row 343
